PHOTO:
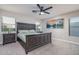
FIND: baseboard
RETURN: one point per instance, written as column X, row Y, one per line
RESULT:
column 67, row 41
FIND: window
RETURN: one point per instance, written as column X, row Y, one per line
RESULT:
column 8, row 24
column 38, row 27
column 74, row 26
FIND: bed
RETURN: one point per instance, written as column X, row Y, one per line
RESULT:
column 29, row 39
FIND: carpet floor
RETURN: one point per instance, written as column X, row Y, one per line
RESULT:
column 56, row 48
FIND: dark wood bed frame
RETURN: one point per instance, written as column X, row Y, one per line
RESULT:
column 32, row 41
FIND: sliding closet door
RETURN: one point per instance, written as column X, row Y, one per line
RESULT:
column 1, row 37
column 74, row 26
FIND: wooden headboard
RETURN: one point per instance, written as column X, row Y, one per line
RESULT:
column 25, row 26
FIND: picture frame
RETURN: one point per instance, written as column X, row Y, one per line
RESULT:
column 55, row 23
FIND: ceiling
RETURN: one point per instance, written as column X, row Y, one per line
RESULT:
column 26, row 9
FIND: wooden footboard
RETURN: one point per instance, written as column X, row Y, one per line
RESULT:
column 35, row 41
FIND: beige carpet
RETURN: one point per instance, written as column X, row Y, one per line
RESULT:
column 11, row 49
column 56, row 48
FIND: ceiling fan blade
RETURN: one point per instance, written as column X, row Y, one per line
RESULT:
column 46, row 12
column 39, row 6
column 35, row 11
column 47, row 8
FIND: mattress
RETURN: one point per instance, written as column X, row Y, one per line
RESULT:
column 22, row 36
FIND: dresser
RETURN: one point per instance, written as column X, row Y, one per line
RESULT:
column 9, row 38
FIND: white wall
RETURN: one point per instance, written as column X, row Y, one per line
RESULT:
column 62, row 33
column 19, row 18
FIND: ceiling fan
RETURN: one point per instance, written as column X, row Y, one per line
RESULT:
column 42, row 10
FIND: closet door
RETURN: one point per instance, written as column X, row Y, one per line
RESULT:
column 1, row 37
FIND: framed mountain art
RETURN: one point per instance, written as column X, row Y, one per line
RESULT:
column 55, row 24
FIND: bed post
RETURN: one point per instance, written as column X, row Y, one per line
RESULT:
column 26, row 45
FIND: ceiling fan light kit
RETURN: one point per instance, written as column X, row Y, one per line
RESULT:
column 41, row 13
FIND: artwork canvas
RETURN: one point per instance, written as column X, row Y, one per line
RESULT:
column 55, row 23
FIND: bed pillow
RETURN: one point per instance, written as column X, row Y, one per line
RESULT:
column 31, row 31
column 26, row 31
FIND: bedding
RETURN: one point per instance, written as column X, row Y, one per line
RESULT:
column 23, row 31
column 22, row 34
column 28, row 31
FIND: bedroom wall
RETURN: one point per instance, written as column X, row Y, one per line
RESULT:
column 62, row 34
column 19, row 18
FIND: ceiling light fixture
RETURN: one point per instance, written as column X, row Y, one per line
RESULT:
column 41, row 13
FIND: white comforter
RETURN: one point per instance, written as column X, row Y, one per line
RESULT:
column 22, row 36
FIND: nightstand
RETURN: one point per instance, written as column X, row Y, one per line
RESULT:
column 9, row 38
